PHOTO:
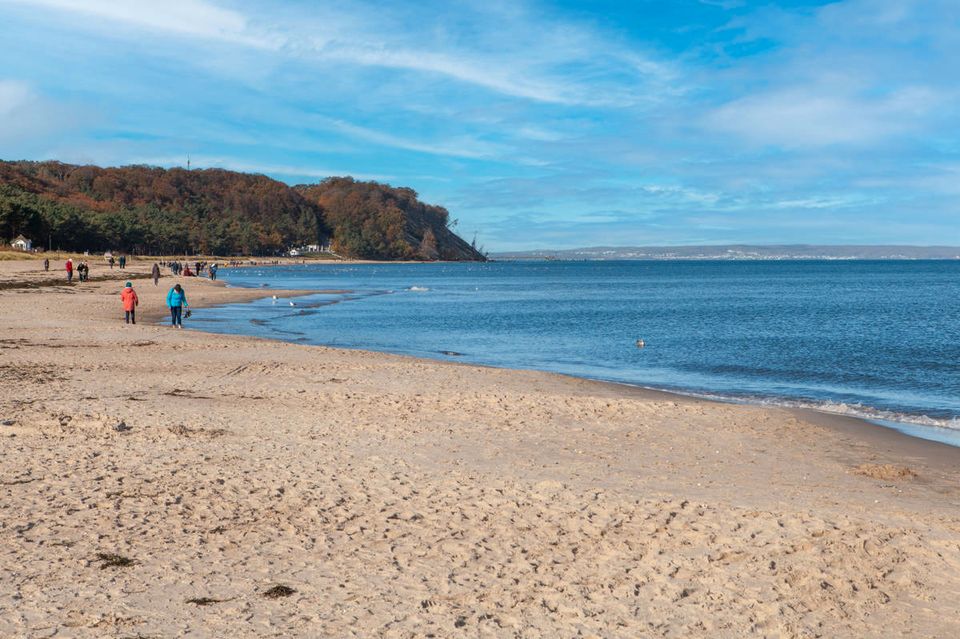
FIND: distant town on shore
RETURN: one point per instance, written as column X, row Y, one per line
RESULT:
column 740, row 252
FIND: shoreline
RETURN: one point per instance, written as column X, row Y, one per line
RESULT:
column 825, row 417
column 146, row 469
column 778, row 403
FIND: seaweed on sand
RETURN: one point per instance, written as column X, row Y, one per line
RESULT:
column 205, row 601
column 113, row 560
column 279, row 591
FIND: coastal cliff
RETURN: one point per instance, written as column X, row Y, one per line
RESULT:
column 374, row 220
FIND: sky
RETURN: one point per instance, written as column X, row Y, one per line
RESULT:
column 538, row 124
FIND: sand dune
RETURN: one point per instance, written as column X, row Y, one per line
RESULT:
column 162, row 483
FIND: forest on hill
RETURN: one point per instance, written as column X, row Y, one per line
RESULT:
column 155, row 211
column 383, row 222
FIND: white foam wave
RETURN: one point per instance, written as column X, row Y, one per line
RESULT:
column 418, row 289
column 857, row 410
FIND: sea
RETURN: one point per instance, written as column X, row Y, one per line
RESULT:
column 879, row 340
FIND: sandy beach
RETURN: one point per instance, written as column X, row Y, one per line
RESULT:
column 164, row 483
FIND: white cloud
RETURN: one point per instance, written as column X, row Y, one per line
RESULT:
column 508, row 62
column 460, row 146
column 539, row 134
column 490, row 76
column 194, row 18
column 13, row 95
column 824, row 202
column 803, row 117
column 940, row 180
column 28, row 119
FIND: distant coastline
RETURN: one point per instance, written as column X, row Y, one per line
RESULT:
column 739, row 252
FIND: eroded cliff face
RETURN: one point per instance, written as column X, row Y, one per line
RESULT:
column 377, row 221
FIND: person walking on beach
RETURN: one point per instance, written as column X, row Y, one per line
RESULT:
column 213, row 271
column 123, row 261
column 69, row 270
column 176, row 300
column 111, row 261
column 130, row 301
column 46, row 264
column 83, row 272
column 155, row 273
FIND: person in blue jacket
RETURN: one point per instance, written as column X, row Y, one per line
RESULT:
column 176, row 300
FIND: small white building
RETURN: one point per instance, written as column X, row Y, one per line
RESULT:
column 22, row 244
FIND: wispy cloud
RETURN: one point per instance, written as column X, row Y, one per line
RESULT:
column 28, row 118
column 299, row 172
column 13, row 96
column 194, row 18
column 513, row 66
column 824, row 115
column 461, row 146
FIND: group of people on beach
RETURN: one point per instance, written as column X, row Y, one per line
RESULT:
column 176, row 302
column 178, row 268
column 176, row 297
column 82, row 269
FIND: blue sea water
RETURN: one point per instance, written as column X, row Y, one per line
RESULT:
column 876, row 339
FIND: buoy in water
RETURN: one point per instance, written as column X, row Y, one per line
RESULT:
column 640, row 343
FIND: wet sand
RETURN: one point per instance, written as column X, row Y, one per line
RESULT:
column 163, row 483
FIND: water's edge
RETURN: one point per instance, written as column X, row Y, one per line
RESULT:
column 921, row 429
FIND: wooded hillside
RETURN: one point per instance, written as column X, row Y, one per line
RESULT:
column 149, row 210
column 383, row 222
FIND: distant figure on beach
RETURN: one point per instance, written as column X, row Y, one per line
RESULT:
column 155, row 273
column 213, row 271
column 69, row 270
column 83, row 271
column 46, row 264
column 111, row 261
column 130, row 301
column 123, row 261
column 176, row 300
column 187, row 272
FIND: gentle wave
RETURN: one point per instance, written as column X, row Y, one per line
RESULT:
column 860, row 411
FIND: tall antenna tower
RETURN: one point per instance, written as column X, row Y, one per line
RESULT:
column 188, row 162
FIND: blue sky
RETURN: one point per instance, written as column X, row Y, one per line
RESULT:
column 538, row 124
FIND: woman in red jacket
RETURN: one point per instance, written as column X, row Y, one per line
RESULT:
column 130, row 301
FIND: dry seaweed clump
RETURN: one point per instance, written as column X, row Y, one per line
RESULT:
column 112, row 560
column 205, row 601
column 279, row 591
column 884, row 471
